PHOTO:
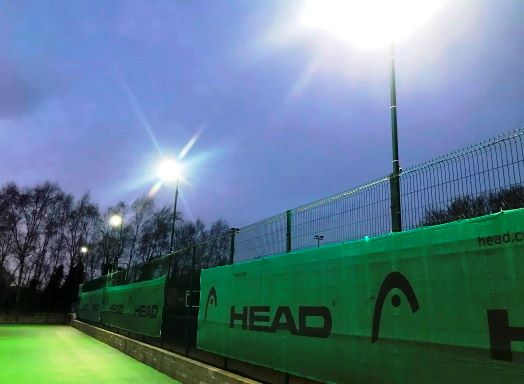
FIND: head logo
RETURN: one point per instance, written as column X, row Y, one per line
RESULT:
column 393, row 280
column 211, row 299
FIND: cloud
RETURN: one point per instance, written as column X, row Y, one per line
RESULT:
column 18, row 94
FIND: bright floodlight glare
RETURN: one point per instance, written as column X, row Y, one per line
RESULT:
column 368, row 23
column 115, row 220
column 169, row 170
column 83, row 249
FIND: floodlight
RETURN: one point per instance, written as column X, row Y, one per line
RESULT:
column 115, row 220
column 368, row 23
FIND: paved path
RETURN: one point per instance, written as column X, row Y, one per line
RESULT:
column 45, row 354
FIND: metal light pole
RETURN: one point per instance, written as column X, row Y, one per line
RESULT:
column 369, row 24
column 174, row 217
column 170, row 170
column 319, row 238
column 396, row 218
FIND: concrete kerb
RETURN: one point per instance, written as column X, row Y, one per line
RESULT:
column 176, row 366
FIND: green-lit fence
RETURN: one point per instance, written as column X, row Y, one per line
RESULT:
column 440, row 304
column 479, row 180
column 405, row 307
column 155, row 301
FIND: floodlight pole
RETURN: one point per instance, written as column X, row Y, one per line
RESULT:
column 396, row 218
column 174, row 217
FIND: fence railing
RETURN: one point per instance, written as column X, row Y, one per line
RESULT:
column 462, row 184
column 177, row 265
column 477, row 180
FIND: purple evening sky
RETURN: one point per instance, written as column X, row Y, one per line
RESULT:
column 92, row 92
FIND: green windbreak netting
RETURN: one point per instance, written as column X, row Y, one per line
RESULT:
column 437, row 304
column 135, row 307
column 90, row 305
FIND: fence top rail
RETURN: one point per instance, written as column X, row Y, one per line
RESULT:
column 166, row 256
column 338, row 196
column 259, row 223
column 425, row 165
column 159, row 259
column 466, row 151
column 314, row 204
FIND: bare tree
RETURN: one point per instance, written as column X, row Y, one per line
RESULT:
column 465, row 207
column 83, row 221
column 142, row 208
column 155, row 237
column 26, row 219
column 42, row 231
column 218, row 244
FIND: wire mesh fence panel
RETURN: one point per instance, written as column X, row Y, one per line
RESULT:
column 350, row 215
column 266, row 237
column 214, row 252
column 180, row 263
column 476, row 181
column 95, row 284
column 148, row 271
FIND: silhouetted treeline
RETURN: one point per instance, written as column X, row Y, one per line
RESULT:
column 43, row 231
column 466, row 207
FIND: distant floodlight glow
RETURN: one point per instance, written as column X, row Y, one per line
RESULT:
column 115, row 220
column 368, row 23
column 169, row 170
column 83, row 249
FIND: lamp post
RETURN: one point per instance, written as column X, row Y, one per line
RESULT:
column 394, row 180
column 174, row 218
column 369, row 24
column 319, row 238
column 170, row 170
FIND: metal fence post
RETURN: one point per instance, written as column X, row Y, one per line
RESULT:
column 190, row 301
column 396, row 216
column 233, row 232
column 163, row 327
column 288, row 230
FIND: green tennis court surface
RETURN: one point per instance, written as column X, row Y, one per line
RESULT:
column 43, row 354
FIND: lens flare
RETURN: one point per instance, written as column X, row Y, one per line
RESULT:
column 155, row 188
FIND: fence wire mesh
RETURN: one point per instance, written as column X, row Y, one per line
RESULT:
column 465, row 183
column 475, row 181
column 267, row 237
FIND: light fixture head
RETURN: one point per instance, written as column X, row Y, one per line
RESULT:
column 115, row 220
column 169, row 170
column 368, row 23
